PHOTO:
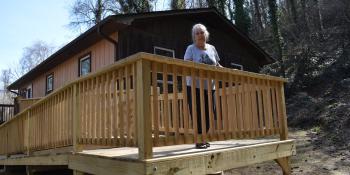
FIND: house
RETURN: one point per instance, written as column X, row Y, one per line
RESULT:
column 110, row 102
column 120, row 36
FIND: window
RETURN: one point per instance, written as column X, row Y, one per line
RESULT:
column 236, row 66
column 49, row 83
column 29, row 92
column 163, row 51
column 85, row 65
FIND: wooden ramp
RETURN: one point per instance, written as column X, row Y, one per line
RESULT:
column 139, row 110
column 176, row 159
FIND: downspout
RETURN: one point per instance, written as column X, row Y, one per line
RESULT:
column 111, row 40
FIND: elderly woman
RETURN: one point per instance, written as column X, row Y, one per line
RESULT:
column 201, row 52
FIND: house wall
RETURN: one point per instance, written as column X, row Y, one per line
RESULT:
column 102, row 54
column 175, row 33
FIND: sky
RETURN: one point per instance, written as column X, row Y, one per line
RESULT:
column 25, row 22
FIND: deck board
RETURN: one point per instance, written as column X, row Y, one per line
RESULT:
column 131, row 153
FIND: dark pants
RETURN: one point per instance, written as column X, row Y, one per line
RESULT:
column 198, row 107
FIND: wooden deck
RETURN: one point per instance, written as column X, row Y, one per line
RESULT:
column 143, row 123
column 175, row 159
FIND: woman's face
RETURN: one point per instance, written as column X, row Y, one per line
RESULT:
column 199, row 37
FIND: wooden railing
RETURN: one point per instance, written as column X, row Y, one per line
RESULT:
column 144, row 101
column 6, row 112
column 25, row 103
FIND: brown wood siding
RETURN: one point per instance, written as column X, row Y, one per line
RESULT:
column 102, row 54
column 175, row 33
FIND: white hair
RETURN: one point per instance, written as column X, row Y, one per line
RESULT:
column 197, row 27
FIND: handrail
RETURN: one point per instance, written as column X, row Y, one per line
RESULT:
column 124, row 104
column 6, row 112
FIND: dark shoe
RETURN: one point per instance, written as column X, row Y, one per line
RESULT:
column 207, row 144
column 201, row 146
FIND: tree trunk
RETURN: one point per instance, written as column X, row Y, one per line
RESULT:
column 230, row 10
column 303, row 16
column 291, row 7
column 320, row 23
column 98, row 11
column 258, row 16
column 242, row 20
column 275, row 30
column 263, row 11
column 177, row 4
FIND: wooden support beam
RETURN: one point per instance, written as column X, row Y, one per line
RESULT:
column 102, row 166
column 284, row 126
column 37, row 160
column 218, row 160
column 144, row 120
column 284, row 164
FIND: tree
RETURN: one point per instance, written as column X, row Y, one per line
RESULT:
column 5, row 78
column 257, row 16
column 33, row 55
column 86, row 13
column 291, row 6
column 177, row 4
column 276, row 34
column 241, row 17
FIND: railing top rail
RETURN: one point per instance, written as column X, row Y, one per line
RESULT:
column 7, row 105
column 151, row 57
column 183, row 63
column 30, row 99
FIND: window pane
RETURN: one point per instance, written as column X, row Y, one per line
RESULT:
column 49, row 83
column 85, row 66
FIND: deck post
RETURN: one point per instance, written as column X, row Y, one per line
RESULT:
column 76, row 118
column 284, row 163
column 143, row 117
column 284, row 129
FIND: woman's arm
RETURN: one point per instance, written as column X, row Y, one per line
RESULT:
column 217, row 58
column 188, row 54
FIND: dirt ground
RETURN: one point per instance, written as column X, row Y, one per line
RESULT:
column 311, row 159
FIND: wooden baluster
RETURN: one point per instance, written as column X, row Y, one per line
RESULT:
column 120, row 108
column 185, row 104
column 76, row 118
column 232, row 106
column 239, row 103
column 250, row 108
column 218, row 107
column 194, row 105
column 211, row 106
column 166, row 103
column 104, row 108
column 202, row 106
column 133, row 67
column 109, row 109
column 90, row 111
column 155, row 104
column 274, row 110
column 224, row 107
column 175, row 106
column 116, row 109
column 255, row 108
column 269, row 107
column 127, row 105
